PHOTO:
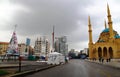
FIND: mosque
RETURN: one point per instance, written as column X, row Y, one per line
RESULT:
column 108, row 43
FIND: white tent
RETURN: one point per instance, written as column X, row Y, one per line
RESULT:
column 56, row 58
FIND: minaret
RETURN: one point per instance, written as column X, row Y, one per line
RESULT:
column 90, row 30
column 110, row 23
column 90, row 39
column 105, row 24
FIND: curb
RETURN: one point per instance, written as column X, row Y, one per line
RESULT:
column 30, row 72
column 15, row 66
column 104, row 64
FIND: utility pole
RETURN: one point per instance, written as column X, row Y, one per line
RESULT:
column 53, row 39
column 19, row 54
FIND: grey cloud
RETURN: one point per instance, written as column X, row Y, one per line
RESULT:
column 63, row 14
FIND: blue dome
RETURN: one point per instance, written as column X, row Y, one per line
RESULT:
column 106, row 30
column 117, row 36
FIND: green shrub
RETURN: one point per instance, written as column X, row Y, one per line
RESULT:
column 3, row 72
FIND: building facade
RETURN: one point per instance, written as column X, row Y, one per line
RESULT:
column 25, row 49
column 42, row 47
column 84, row 51
column 3, row 47
column 108, row 43
column 61, row 45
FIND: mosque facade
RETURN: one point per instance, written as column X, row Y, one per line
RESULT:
column 108, row 43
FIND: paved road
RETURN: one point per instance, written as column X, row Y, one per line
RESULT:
column 78, row 68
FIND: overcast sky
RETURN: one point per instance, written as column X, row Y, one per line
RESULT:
column 36, row 18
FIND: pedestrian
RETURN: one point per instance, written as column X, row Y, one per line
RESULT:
column 66, row 60
column 99, row 59
column 102, row 60
column 109, row 59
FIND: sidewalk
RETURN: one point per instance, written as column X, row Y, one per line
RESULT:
column 23, row 63
column 115, row 63
column 10, row 64
column 27, row 67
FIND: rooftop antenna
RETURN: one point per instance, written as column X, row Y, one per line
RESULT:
column 15, row 27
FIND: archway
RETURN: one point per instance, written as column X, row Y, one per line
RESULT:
column 110, row 52
column 104, row 52
column 99, row 52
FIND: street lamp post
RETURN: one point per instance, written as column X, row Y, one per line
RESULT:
column 19, row 62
